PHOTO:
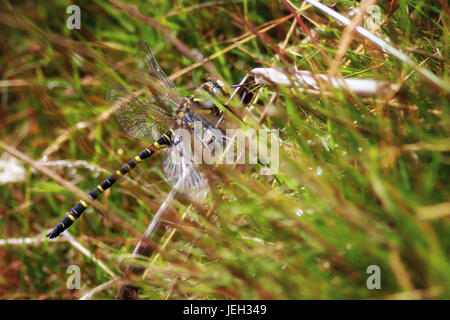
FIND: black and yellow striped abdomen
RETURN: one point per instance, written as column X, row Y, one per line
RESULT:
column 74, row 213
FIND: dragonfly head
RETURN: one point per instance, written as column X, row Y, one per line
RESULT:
column 201, row 104
column 215, row 87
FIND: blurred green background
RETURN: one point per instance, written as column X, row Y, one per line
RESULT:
column 362, row 181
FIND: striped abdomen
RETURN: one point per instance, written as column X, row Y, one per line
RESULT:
column 74, row 213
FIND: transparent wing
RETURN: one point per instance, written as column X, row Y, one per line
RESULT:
column 181, row 172
column 156, row 78
column 209, row 136
column 143, row 120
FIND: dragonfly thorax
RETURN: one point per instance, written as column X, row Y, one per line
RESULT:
column 200, row 104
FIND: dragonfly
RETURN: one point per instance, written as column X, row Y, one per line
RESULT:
column 156, row 117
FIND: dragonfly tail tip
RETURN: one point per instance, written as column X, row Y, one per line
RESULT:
column 52, row 234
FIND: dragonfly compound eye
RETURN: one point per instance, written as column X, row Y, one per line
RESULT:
column 222, row 88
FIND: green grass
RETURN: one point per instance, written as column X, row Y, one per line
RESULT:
column 381, row 196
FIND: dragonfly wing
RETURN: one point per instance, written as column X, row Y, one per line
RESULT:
column 143, row 120
column 181, row 172
column 209, row 135
column 155, row 76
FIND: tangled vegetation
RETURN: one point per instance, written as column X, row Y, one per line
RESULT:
column 362, row 180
